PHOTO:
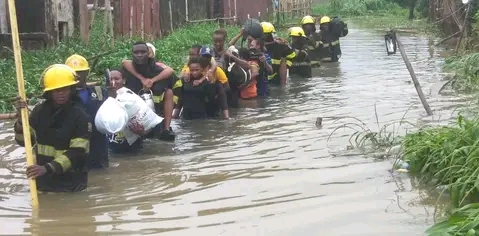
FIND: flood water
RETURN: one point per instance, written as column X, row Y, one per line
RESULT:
column 268, row 171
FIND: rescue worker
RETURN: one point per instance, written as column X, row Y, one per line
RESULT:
column 218, row 82
column 160, row 82
column 61, row 131
column 314, row 41
column 92, row 98
column 329, row 41
column 281, row 55
column 301, row 63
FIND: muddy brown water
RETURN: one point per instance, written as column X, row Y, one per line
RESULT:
column 268, row 171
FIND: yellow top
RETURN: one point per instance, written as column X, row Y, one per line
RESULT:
column 219, row 74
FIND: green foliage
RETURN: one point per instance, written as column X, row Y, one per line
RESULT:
column 447, row 156
column 349, row 8
column 463, row 221
column 466, row 68
column 172, row 50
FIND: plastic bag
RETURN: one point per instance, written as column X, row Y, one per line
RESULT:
column 138, row 113
column 111, row 117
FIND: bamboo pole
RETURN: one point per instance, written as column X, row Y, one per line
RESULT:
column 171, row 15
column 21, row 92
column 413, row 77
column 92, row 18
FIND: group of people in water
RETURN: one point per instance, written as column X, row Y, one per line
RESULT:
column 66, row 141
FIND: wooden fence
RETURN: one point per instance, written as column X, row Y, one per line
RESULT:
column 287, row 10
column 156, row 18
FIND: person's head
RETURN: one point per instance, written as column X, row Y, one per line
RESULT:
column 268, row 31
column 117, row 80
column 244, row 53
column 257, row 44
column 140, row 53
column 298, row 36
column 219, row 38
column 195, row 51
column 195, row 67
column 205, row 56
column 59, row 83
column 80, row 65
column 324, row 23
column 151, row 50
column 308, row 24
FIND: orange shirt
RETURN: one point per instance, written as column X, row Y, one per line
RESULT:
column 250, row 90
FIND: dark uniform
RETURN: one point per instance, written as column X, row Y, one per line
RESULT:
column 60, row 137
column 118, row 144
column 314, row 47
column 159, row 88
column 92, row 98
column 277, row 51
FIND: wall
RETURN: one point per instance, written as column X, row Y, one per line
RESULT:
column 65, row 14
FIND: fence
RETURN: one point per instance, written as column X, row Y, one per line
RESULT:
column 286, row 10
column 156, row 18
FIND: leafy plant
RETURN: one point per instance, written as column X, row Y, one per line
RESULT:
column 463, row 221
column 364, row 137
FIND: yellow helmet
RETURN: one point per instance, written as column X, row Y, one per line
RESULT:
column 58, row 76
column 268, row 28
column 296, row 31
column 77, row 63
column 324, row 20
column 307, row 20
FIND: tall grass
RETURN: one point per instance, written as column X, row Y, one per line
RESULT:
column 172, row 50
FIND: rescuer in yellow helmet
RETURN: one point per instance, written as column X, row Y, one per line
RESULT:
column 308, row 24
column 280, row 52
column 92, row 98
column 330, row 41
column 60, row 131
column 301, row 63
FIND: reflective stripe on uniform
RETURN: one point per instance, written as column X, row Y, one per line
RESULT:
column 270, row 77
column 278, row 62
column 159, row 99
column 80, row 143
column 58, row 155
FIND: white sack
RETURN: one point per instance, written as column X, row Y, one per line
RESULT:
column 111, row 117
column 138, row 113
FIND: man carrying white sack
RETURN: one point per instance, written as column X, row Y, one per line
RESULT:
column 126, row 118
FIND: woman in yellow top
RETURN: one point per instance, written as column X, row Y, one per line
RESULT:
column 217, row 82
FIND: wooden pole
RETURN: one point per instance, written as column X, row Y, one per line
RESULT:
column 105, row 25
column 84, row 24
column 413, row 77
column 21, row 92
column 171, row 16
column 110, row 23
column 463, row 29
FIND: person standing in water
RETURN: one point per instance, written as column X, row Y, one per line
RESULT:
column 162, row 86
column 61, row 132
column 117, row 141
column 281, row 55
column 92, row 98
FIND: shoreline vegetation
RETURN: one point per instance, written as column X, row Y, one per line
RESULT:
column 445, row 158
